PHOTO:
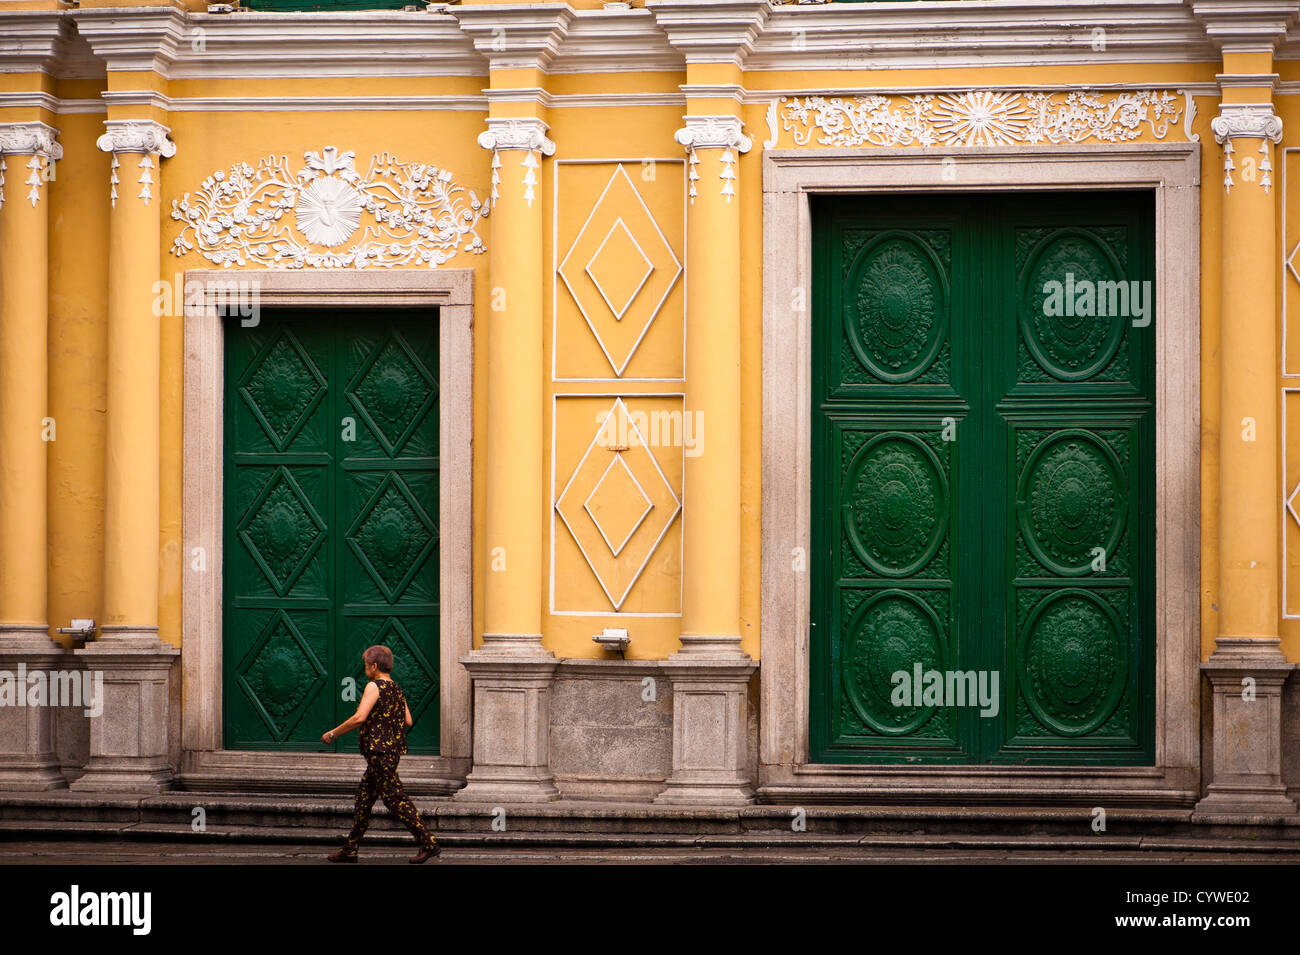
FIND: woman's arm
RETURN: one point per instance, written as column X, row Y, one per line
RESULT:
column 368, row 699
column 408, row 716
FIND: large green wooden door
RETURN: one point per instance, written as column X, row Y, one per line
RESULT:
column 983, row 478
column 331, row 508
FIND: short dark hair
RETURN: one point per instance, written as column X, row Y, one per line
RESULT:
column 380, row 656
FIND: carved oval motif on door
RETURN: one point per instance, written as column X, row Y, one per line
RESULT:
column 896, row 307
column 1063, row 288
column 888, row 633
column 897, row 509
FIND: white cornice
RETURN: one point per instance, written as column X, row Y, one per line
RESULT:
column 377, row 43
column 711, row 31
column 461, row 40
column 957, row 33
column 1253, row 80
column 515, row 36
column 616, row 41
column 713, row 91
column 1243, row 26
column 141, row 38
column 44, row 41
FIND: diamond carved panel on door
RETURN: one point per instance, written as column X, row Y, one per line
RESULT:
column 983, row 478
column 332, row 503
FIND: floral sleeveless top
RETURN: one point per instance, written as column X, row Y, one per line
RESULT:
column 384, row 730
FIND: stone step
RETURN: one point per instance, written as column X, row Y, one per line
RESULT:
column 239, row 812
column 299, row 835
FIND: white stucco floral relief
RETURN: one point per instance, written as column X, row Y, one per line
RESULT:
column 394, row 214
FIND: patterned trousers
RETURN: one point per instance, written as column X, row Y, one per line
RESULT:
column 380, row 781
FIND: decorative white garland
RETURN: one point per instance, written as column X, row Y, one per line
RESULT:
column 271, row 217
column 978, row 118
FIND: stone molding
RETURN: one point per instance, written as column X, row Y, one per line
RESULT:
column 790, row 177
column 451, row 291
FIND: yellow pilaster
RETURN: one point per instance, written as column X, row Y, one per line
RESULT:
column 1247, row 128
column 131, row 478
column 27, row 154
column 516, row 505
column 711, row 530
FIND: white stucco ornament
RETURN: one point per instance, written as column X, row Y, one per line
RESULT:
column 37, row 142
column 979, row 118
column 1247, row 121
column 395, row 214
column 713, row 132
column 523, row 133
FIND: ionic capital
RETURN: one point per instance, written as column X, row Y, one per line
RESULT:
column 136, row 136
column 517, row 133
column 30, row 139
column 718, row 132
column 1246, row 121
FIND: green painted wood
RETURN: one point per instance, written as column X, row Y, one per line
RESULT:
column 983, row 479
column 331, row 503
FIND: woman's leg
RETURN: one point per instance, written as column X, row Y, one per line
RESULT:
column 367, row 792
column 398, row 803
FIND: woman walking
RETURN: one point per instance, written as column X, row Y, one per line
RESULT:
column 383, row 717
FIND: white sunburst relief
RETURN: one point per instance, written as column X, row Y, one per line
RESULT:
column 981, row 118
column 395, row 214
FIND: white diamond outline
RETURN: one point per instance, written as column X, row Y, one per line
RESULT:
column 618, row 369
column 1290, row 505
column 649, row 504
column 618, row 403
column 650, row 269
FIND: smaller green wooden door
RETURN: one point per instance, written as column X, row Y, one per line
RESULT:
column 331, row 509
column 983, row 477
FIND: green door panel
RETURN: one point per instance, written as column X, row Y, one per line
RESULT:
column 983, row 476
column 331, row 480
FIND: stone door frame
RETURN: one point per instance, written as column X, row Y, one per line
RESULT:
column 204, row 764
column 1172, row 172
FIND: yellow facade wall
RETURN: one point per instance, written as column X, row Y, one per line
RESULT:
column 211, row 141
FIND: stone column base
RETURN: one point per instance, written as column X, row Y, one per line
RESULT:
column 28, row 762
column 1246, row 678
column 128, row 740
column 512, row 720
column 710, row 727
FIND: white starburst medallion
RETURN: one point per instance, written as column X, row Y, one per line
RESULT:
column 329, row 211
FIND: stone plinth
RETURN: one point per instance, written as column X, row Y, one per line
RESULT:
column 27, row 758
column 1246, row 679
column 710, row 727
column 128, row 740
column 512, row 720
